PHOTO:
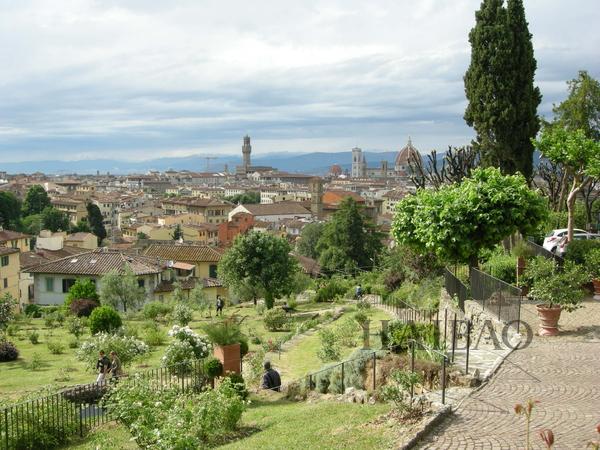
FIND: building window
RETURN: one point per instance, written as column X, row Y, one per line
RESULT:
column 5, row 283
column 4, row 261
column 212, row 271
column 66, row 284
column 49, row 284
column 141, row 283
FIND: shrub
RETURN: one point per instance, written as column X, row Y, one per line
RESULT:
column 592, row 263
column 56, row 348
column 34, row 337
column 154, row 310
column 335, row 287
column 330, row 347
column 83, row 307
column 76, row 326
column 352, row 378
column 49, row 320
column 8, row 351
column 73, row 343
column 577, row 249
column 400, row 334
column 238, row 384
column 322, row 381
column 199, row 344
column 398, row 388
column 346, row 332
column 260, row 309
column 33, row 310
column 154, row 337
column 36, row 362
column 84, row 288
column 253, row 366
column 275, row 319
column 213, row 367
column 361, row 318
column 502, row 266
column 127, row 348
column 182, row 314
column 12, row 330
column 105, row 319
column 176, row 421
column 178, row 357
column 225, row 332
column 244, row 346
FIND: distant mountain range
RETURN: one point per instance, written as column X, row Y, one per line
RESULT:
column 309, row 163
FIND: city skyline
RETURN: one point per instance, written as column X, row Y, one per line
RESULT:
column 133, row 80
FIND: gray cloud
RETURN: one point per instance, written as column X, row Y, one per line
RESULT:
column 133, row 79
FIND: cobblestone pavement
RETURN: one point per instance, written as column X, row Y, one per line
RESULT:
column 562, row 373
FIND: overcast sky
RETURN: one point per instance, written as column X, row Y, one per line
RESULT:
column 140, row 79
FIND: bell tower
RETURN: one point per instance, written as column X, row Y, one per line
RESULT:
column 246, row 150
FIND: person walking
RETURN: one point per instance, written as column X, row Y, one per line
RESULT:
column 271, row 379
column 115, row 366
column 220, row 305
column 102, row 367
column 358, row 292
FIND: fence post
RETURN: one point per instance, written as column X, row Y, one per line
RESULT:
column 444, row 380
column 519, row 313
column 310, row 382
column 80, row 418
column 412, row 366
column 374, row 370
column 6, row 425
column 343, row 378
column 445, row 324
column 453, row 336
column 468, row 344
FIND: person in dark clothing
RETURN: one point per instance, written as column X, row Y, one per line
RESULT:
column 102, row 367
column 271, row 379
column 115, row 366
column 220, row 304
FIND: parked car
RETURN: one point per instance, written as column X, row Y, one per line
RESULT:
column 553, row 237
column 561, row 247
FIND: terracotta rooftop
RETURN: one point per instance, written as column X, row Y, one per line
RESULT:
column 32, row 259
column 276, row 209
column 100, row 262
column 178, row 252
column 7, row 235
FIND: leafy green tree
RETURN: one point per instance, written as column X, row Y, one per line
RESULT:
column 54, row 220
column 83, row 288
column 262, row 261
column 142, row 235
column 198, row 298
column 177, row 233
column 96, row 222
column 309, row 237
column 7, row 304
column 82, row 226
column 581, row 110
column 350, row 241
column 33, row 224
column 502, row 100
column 458, row 221
column 36, row 200
column 247, row 198
column 10, row 211
column 578, row 154
column 121, row 289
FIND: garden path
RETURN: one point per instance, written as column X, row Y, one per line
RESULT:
column 560, row 372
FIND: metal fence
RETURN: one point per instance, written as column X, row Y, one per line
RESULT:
column 456, row 288
column 407, row 313
column 344, row 370
column 74, row 410
column 496, row 296
column 538, row 250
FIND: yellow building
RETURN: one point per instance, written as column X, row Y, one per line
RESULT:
column 82, row 240
column 14, row 239
column 74, row 208
column 9, row 271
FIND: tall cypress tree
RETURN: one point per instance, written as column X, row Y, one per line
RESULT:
column 526, row 96
column 502, row 100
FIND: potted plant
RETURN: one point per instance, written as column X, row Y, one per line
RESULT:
column 556, row 290
column 592, row 263
column 522, row 252
column 227, row 338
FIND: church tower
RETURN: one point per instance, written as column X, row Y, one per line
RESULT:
column 316, row 197
column 246, row 150
column 359, row 163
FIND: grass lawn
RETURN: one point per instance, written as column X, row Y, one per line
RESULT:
column 278, row 423
column 16, row 379
column 301, row 358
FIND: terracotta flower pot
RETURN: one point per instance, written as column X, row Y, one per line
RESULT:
column 230, row 356
column 596, row 282
column 549, row 320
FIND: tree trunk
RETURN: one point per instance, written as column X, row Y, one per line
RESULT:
column 575, row 188
column 269, row 300
column 563, row 191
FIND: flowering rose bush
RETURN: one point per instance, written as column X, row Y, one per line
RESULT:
column 127, row 348
column 176, row 420
column 200, row 345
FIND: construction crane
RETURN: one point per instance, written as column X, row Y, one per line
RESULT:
column 208, row 158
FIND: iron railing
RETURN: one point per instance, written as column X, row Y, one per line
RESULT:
column 538, row 250
column 496, row 297
column 456, row 288
column 75, row 410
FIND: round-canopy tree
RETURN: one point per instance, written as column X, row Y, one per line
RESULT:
column 261, row 261
column 458, row 221
column 36, row 200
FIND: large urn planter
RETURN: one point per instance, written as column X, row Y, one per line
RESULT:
column 549, row 317
column 230, row 357
column 596, row 282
